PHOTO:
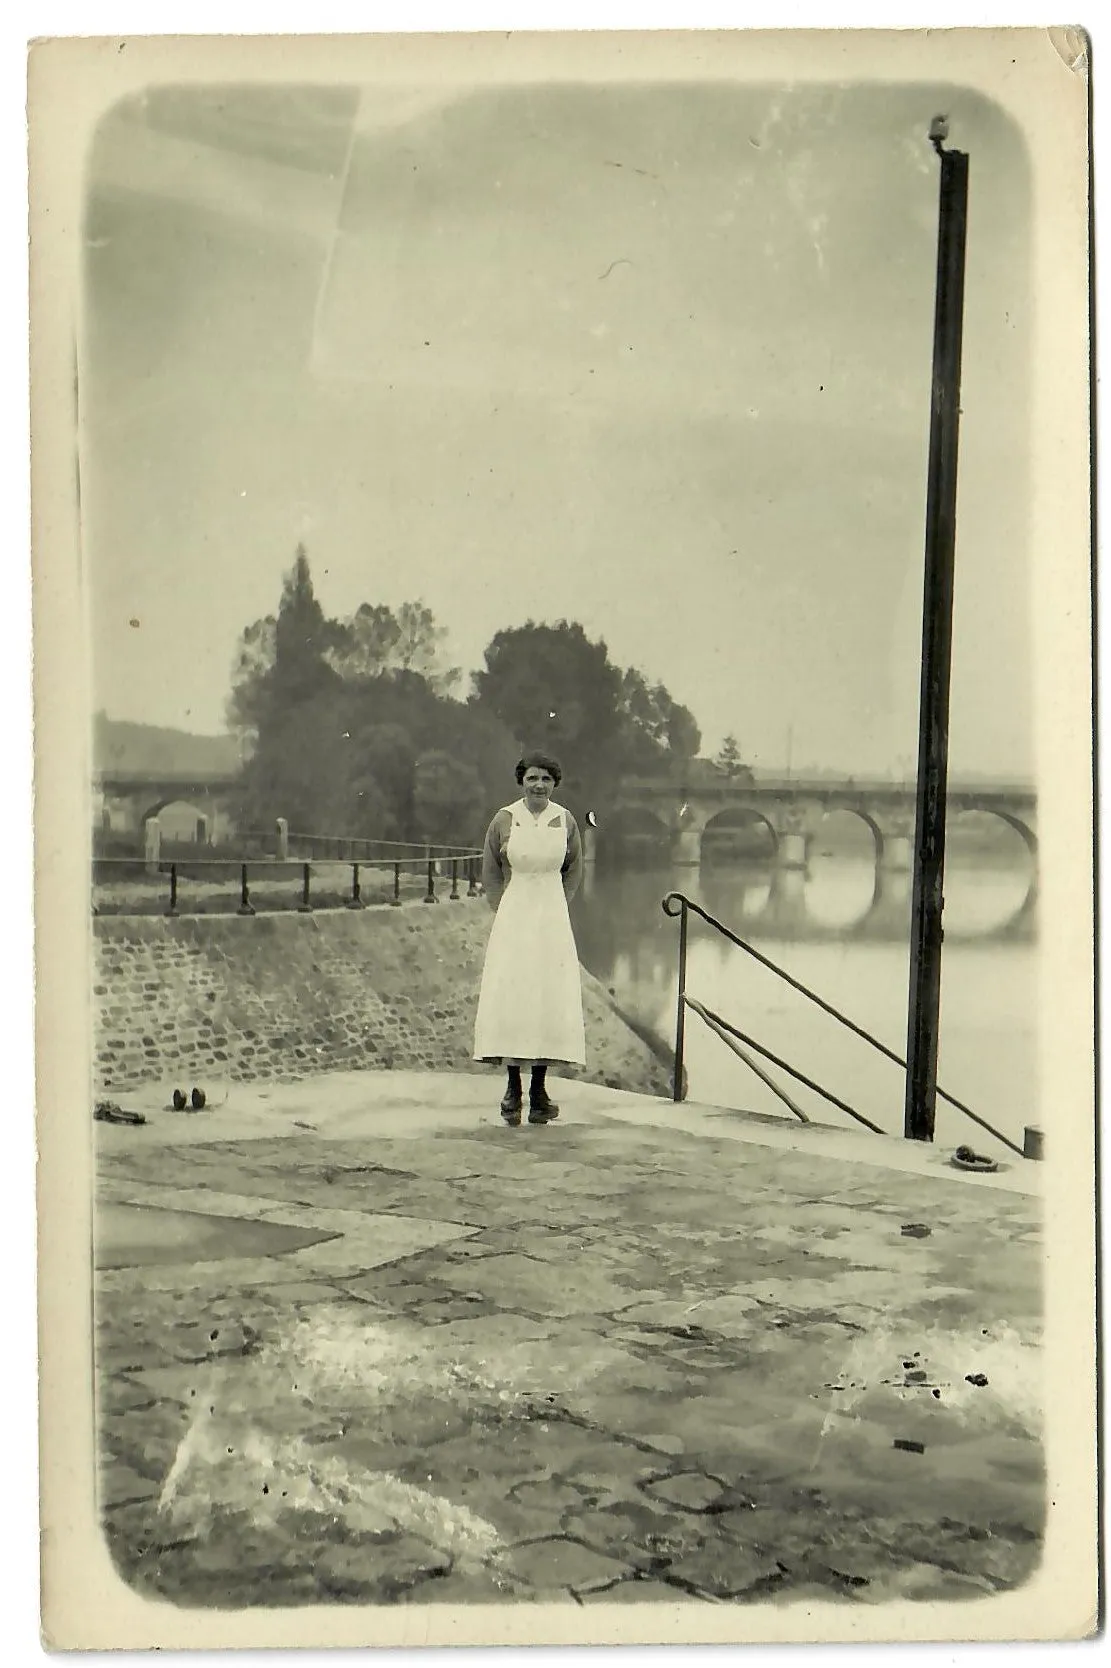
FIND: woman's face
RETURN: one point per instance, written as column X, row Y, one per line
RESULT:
column 538, row 784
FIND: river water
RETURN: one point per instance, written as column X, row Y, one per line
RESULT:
column 987, row 1054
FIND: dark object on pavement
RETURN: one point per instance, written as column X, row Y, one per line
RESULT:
column 179, row 1100
column 965, row 1159
column 909, row 1447
column 978, row 1379
column 108, row 1112
column 197, row 1098
column 916, row 1230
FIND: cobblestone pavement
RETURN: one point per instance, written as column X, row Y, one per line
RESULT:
column 409, row 1355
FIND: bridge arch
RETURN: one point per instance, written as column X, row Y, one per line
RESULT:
column 739, row 833
column 1025, row 833
column 634, row 831
column 182, row 817
column 847, row 813
column 970, row 824
column 991, row 870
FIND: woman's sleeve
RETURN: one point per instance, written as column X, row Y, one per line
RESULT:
column 573, row 862
column 493, row 867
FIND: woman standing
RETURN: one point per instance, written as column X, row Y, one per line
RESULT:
column 530, row 1003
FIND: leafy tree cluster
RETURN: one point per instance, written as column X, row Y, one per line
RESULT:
column 728, row 758
column 356, row 727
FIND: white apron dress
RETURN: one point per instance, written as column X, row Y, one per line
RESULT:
column 530, row 1001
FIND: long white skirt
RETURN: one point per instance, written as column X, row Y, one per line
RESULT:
column 530, row 1002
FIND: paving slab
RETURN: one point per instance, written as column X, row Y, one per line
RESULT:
column 645, row 1353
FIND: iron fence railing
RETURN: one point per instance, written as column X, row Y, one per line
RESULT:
column 292, row 882
column 678, row 904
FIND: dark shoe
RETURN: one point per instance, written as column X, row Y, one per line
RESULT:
column 541, row 1109
column 110, row 1112
column 511, row 1106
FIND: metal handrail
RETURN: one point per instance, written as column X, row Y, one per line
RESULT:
column 729, row 1036
column 720, row 1024
column 678, row 904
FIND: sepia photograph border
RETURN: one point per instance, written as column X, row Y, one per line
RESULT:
column 1034, row 76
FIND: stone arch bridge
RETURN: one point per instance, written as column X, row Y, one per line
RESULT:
column 793, row 811
column 124, row 801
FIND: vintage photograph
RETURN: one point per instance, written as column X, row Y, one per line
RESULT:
column 572, row 936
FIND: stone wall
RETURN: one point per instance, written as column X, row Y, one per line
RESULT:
column 280, row 996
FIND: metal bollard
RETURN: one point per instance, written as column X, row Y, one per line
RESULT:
column 472, row 878
column 430, row 895
column 245, row 905
column 355, row 901
column 455, row 880
column 1033, row 1142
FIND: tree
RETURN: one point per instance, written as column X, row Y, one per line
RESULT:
column 420, row 646
column 554, row 687
column 375, row 640
column 449, row 799
column 729, row 757
column 684, row 737
column 551, row 687
column 284, row 704
column 302, row 637
column 352, row 728
column 283, row 658
column 298, row 767
column 253, row 666
column 381, row 759
column 660, row 730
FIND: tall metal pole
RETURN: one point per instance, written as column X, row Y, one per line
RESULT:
column 937, row 637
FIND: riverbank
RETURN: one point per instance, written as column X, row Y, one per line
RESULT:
column 647, row 1354
column 275, row 998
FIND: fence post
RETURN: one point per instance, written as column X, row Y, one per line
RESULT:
column 172, row 910
column 305, row 906
column 430, row 895
column 396, row 899
column 454, row 879
column 152, row 844
column 283, row 840
column 355, row 901
column 472, row 877
column 245, row 905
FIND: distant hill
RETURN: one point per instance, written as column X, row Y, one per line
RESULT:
column 148, row 749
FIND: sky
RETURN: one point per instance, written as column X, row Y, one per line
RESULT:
column 653, row 358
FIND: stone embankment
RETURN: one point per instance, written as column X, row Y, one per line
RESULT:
column 280, row 997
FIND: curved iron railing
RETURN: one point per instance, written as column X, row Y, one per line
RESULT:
column 677, row 904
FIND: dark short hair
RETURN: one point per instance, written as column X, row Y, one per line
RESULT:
column 539, row 761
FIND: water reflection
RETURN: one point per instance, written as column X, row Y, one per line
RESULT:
column 624, row 936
